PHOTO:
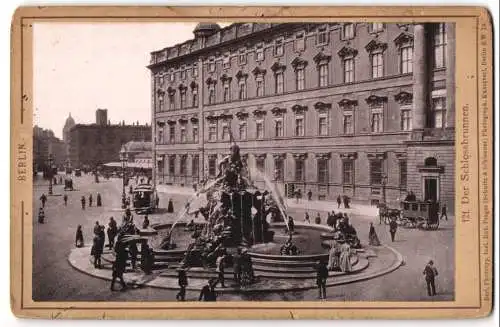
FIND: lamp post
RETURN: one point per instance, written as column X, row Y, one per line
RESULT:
column 384, row 184
column 123, row 159
column 51, row 172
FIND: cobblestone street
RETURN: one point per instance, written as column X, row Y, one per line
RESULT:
column 54, row 279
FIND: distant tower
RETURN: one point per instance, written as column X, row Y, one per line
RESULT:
column 70, row 122
column 203, row 30
column 101, row 117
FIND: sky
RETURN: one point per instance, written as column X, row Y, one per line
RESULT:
column 79, row 67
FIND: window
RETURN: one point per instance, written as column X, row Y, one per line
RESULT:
column 260, row 163
column 279, row 169
column 323, row 74
column 299, row 170
column 278, row 128
column 211, row 94
column 242, row 130
column 183, row 134
column 195, row 70
column 299, row 126
column 322, row 36
column 348, row 123
column 439, row 112
column 406, row 60
column 300, row 43
column 195, row 165
column 323, row 171
column 348, row 70
column 278, row 47
column 242, row 57
column 212, row 166
column 377, row 65
column 171, row 101
column 172, row 76
column 211, row 66
column 227, row 92
column 259, row 52
column 348, row 31
column 242, row 91
column 182, row 165
column 183, row 98
column 375, row 172
column 406, row 118
column 259, row 129
column 171, row 165
column 195, row 133
column 279, row 82
column 161, row 80
column 226, row 61
column 376, row 27
column 376, row 120
column 323, row 125
column 212, row 132
column 260, row 87
column 194, row 100
column 183, row 74
column 225, row 132
column 440, row 46
column 300, row 82
column 403, row 173
column 171, row 134
column 348, row 172
column 161, row 102
column 160, row 137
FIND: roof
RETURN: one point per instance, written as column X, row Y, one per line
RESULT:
column 143, row 165
column 137, row 146
column 206, row 27
column 145, row 155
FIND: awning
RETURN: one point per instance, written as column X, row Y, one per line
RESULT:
column 143, row 165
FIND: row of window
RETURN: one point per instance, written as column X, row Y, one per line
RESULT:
column 323, row 174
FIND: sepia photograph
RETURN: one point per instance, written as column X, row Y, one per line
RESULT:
column 244, row 161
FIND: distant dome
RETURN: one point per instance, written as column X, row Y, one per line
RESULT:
column 206, row 28
column 70, row 122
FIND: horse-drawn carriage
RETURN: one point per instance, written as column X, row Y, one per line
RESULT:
column 420, row 214
column 68, row 184
column 387, row 214
column 144, row 198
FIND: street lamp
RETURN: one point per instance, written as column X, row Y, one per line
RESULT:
column 50, row 160
column 384, row 184
column 123, row 159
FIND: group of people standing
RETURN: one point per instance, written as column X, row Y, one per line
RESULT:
column 91, row 201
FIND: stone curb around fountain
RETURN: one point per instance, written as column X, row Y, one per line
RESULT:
column 79, row 259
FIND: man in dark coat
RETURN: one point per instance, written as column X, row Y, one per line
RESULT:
column 182, row 280
column 119, row 267
column 99, row 200
column 90, row 200
column 444, row 212
column 112, row 231
column 339, row 201
column 43, row 198
column 208, row 292
column 83, row 202
column 430, row 273
column 170, row 207
column 65, row 198
column 321, row 277
column 393, row 227
column 309, row 195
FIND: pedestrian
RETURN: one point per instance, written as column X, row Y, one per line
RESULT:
column 237, row 266
column 119, row 266
column 321, row 277
column 157, row 201
column 309, row 195
column 99, row 200
column 393, row 227
column 220, row 269
column 297, row 195
column 317, row 220
column 208, row 292
column 83, row 202
column 182, row 281
column 345, row 257
column 132, row 249
column 96, row 251
column 430, row 273
column 65, row 198
column 291, row 225
column 41, row 216
column 444, row 212
column 346, row 202
column 339, row 201
column 112, row 231
column 170, row 208
column 130, row 189
column 79, row 237
column 43, row 198
column 372, row 236
column 97, row 228
column 145, row 223
column 90, row 200
column 147, row 259
column 306, row 218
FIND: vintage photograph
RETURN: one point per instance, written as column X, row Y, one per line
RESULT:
column 243, row 161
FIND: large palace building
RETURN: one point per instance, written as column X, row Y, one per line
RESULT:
column 359, row 109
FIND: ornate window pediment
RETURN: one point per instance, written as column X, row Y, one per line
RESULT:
column 348, row 52
column 321, row 57
column 376, row 155
column 348, row 103
column 323, row 155
column 212, row 118
column 160, row 92
column 225, row 116
column 374, row 45
column 300, row 156
column 182, row 87
column 259, row 71
column 170, row 90
column 299, row 63
column 194, row 119
column 225, row 78
column 260, row 156
column 279, row 156
column 298, row 109
column 404, row 38
column 276, row 111
column 171, row 122
column 240, row 75
column 322, row 106
column 160, row 123
column 193, row 85
column 183, row 120
column 375, row 100
column 211, row 80
column 404, row 97
column 241, row 115
column 278, row 67
column 259, row 113
column 349, row 156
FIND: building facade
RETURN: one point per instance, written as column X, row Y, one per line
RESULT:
column 68, row 125
column 45, row 143
column 361, row 109
column 95, row 144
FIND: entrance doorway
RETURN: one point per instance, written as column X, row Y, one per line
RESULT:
column 431, row 189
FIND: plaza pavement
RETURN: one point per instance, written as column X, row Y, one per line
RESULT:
column 54, row 279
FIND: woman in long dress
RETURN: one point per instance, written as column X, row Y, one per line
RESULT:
column 345, row 257
column 333, row 256
column 372, row 236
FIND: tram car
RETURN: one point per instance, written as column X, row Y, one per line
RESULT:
column 420, row 214
column 144, row 198
column 68, row 184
